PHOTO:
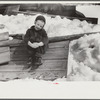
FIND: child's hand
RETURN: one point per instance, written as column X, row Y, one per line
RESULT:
column 36, row 44
column 40, row 44
column 33, row 45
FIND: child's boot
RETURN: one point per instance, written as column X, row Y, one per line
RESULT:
column 28, row 63
column 38, row 61
column 33, row 65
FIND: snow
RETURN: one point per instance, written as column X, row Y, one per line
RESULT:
column 54, row 26
column 85, row 54
column 35, row 89
column 87, row 60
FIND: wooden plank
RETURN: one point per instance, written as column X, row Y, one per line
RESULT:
column 51, row 39
column 47, row 65
column 14, row 67
column 69, row 37
column 19, row 52
column 4, row 49
column 11, row 43
column 19, row 62
column 4, row 57
column 19, row 58
column 50, row 54
column 60, row 44
column 4, row 43
column 55, row 54
column 55, row 50
column 19, row 47
column 4, row 36
column 18, row 42
column 54, row 65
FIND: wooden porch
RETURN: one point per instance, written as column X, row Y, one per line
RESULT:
column 54, row 62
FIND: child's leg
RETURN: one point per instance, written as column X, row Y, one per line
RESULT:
column 32, row 55
column 31, row 59
column 38, row 59
column 38, row 55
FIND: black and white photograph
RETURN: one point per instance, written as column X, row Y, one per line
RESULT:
column 46, row 48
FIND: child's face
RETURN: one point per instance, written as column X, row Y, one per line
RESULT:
column 39, row 24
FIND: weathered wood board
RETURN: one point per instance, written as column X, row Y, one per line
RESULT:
column 4, row 36
column 4, row 51
column 4, row 57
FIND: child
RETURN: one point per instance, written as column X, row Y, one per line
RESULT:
column 36, row 40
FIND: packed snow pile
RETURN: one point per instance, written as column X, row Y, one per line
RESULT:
column 54, row 26
column 84, row 59
column 3, row 28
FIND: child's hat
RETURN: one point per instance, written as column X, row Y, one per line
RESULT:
column 40, row 17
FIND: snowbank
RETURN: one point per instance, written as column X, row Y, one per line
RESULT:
column 84, row 60
column 54, row 26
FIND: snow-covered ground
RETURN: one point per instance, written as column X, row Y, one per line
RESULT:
column 35, row 89
column 84, row 59
column 61, row 89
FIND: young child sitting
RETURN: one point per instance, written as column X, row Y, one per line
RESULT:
column 36, row 40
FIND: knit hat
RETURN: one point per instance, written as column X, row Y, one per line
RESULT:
column 40, row 17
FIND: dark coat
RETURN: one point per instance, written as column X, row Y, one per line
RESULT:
column 33, row 35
